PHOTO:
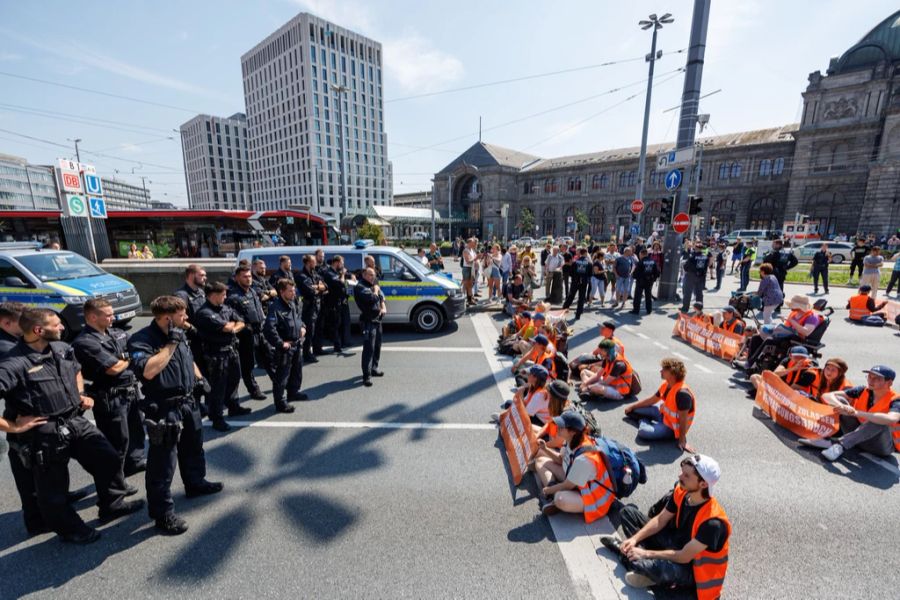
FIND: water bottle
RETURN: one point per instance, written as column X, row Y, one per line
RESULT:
column 627, row 478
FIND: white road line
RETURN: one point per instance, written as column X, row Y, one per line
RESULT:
column 429, row 349
column 659, row 345
column 681, row 356
column 354, row 425
column 642, row 336
column 702, row 368
column 591, row 575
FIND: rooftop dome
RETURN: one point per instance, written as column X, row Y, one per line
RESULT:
column 882, row 44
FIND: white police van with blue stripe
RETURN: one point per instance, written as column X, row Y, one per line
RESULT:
column 413, row 293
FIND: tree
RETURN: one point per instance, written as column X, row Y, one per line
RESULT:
column 370, row 231
column 526, row 221
column 582, row 221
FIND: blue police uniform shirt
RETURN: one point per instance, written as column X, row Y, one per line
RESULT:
column 176, row 379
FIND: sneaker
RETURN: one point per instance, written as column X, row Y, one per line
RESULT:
column 815, row 443
column 495, row 417
column 138, row 467
column 506, row 404
column 300, row 397
column 637, row 580
column 367, row 382
column 126, row 507
column 377, row 373
column 204, row 489
column 833, row 453
column 171, row 524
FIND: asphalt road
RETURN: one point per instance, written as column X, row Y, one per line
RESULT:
column 400, row 490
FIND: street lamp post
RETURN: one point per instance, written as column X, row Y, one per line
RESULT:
column 339, row 91
column 656, row 23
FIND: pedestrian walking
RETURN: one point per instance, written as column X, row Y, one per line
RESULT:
column 769, row 291
column 857, row 254
column 737, row 253
column 553, row 280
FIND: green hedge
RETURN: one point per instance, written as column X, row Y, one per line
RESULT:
column 837, row 275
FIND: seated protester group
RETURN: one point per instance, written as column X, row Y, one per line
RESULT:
column 801, row 322
column 518, row 296
column 669, row 413
column 685, row 543
column 864, row 309
column 869, row 415
column 541, row 353
column 611, row 379
column 607, row 332
column 799, row 371
column 575, row 479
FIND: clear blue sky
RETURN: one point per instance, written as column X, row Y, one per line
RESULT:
column 187, row 55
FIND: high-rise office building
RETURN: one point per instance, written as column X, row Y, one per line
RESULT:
column 299, row 83
column 216, row 162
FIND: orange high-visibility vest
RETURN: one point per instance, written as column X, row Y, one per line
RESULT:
column 669, row 407
column 881, row 405
column 597, row 494
column 709, row 567
column 544, row 413
column 812, row 390
column 622, row 383
column 859, row 307
column 734, row 323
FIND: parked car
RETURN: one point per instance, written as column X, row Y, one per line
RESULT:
column 568, row 240
column 840, row 251
column 750, row 234
column 524, row 241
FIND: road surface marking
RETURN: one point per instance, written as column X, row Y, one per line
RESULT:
column 658, row 345
column 702, row 368
column 642, row 336
column 681, row 356
column 353, row 425
column 428, row 349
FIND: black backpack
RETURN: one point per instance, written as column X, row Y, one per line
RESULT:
column 624, row 467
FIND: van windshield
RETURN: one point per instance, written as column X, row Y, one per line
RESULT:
column 60, row 266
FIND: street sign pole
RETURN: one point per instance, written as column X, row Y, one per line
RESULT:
column 687, row 130
column 90, row 225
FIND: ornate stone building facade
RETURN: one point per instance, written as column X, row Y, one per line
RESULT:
column 840, row 165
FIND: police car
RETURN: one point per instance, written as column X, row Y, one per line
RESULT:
column 62, row 281
column 413, row 293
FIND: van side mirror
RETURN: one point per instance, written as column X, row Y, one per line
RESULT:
column 408, row 276
column 14, row 282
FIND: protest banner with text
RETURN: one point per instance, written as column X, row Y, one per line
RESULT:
column 794, row 411
column 707, row 337
column 518, row 438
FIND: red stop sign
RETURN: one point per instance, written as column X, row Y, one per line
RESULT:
column 681, row 223
column 637, row 206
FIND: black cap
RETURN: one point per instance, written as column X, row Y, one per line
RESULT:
column 570, row 420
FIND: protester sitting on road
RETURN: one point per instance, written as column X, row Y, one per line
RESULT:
column 869, row 416
column 834, row 377
column 526, row 334
column 613, row 380
column 698, row 314
column 607, row 332
column 575, row 479
column 558, row 402
column 799, row 371
column 686, row 544
column 533, row 395
column 517, row 295
column 542, row 353
column 864, row 309
column 731, row 321
column 669, row 413
column 801, row 322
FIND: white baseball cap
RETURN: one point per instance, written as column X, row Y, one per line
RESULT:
column 707, row 468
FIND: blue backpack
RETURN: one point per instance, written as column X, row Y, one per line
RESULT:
column 624, row 467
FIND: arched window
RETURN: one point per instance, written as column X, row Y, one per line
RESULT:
column 765, row 168
column 722, row 215
column 841, row 157
column 735, row 170
column 548, row 221
column 596, row 182
column 596, row 217
column 723, row 170
column 765, row 214
column 604, row 180
column 825, row 207
column 551, row 185
column 778, row 168
column 527, row 187
column 623, row 178
column 632, row 178
column 573, row 184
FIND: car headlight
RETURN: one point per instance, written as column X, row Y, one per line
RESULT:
column 74, row 299
column 453, row 292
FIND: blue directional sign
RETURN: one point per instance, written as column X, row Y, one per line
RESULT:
column 98, row 207
column 673, row 180
column 635, row 229
column 92, row 185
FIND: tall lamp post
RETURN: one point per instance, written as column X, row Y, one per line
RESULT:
column 339, row 91
column 655, row 23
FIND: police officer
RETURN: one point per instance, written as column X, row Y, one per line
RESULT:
column 252, row 346
column 284, row 271
column 218, row 326
column 10, row 333
column 193, row 295
column 646, row 272
column 311, row 289
column 580, row 271
column 284, row 330
column 696, row 264
column 103, row 355
column 321, row 267
column 264, row 289
column 370, row 302
column 162, row 361
column 336, row 301
column 41, row 377
column 782, row 261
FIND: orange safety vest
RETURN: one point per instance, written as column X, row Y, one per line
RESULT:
column 709, row 567
column 539, row 359
column 669, row 407
column 597, row 495
column 812, row 390
column 881, row 405
column 623, row 382
column 543, row 414
column 734, row 323
column 859, row 307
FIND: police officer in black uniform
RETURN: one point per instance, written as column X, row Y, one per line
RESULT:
column 162, row 361
column 264, row 289
column 370, row 302
column 321, row 267
column 284, row 330
column 581, row 279
column 193, row 295
column 252, row 346
column 646, row 272
column 284, row 271
column 782, row 261
column 336, row 302
column 696, row 264
column 41, row 377
column 103, row 355
column 311, row 289
column 218, row 325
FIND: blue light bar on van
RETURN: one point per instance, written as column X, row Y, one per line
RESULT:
column 363, row 243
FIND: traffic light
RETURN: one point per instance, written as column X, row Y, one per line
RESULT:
column 666, row 211
column 695, row 208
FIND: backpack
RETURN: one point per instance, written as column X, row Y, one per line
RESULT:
column 636, row 386
column 593, row 426
column 624, row 467
column 562, row 366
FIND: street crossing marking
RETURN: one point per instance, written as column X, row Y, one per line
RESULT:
column 354, row 425
column 428, row 349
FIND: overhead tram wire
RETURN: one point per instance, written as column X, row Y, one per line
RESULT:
column 541, row 113
column 81, row 119
column 523, row 78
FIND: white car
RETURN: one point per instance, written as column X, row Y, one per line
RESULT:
column 840, row 251
column 524, row 241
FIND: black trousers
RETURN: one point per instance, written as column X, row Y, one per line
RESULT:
column 288, row 374
column 820, row 272
column 310, row 316
column 51, row 471
column 692, row 287
column 856, row 264
column 895, row 280
column 643, row 289
column 24, row 478
column 580, row 286
column 253, row 351
column 371, row 350
column 224, row 374
column 117, row 417
column 161, row 459
column 319, row 336
column 334, row 325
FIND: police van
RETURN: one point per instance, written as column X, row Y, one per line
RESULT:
column 413, row 293
column 62, row 281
